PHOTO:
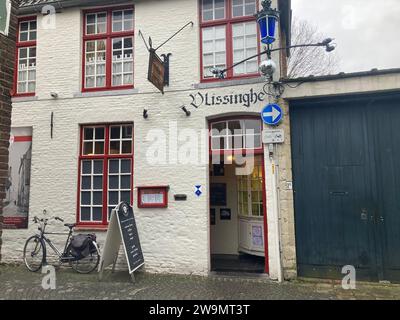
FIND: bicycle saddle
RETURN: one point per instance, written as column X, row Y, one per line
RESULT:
column 70, row 225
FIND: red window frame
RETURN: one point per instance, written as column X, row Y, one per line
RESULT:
column 105, row 157
column 19, row 45
column 108, row 36
column 162, row 189
column 228, row 21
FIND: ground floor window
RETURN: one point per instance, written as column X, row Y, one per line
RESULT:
column 105, row 171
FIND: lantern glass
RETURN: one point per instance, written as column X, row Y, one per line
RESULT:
column 267, row 25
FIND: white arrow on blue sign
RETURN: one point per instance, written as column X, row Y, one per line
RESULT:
column 272, row 114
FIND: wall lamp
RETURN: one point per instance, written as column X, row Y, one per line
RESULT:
column 188, row 113
column 145, row 114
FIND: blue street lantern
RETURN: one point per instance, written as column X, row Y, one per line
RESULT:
column 267, row 20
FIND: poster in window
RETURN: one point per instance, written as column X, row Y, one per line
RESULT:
column 16, row 202
column 257, row 236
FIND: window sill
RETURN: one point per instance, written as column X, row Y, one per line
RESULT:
column 99, row 228
column 228, row 83
column 107, row 93
column 21, row 98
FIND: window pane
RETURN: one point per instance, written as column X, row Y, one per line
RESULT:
column 219, row 127
column 99, row 133
column 87, row 148
column 125, row 182
column 99, row 147
column 97, row 198
column 86, row 167
column 126, row 196
column 97, row 214
column 245, row 46
column 126, row 132
column 24, row 26
column 113, row 183
column 253, row 126
column 114, row 166
column 126, row 147
column 85, row 213
column 214, row 49
column 115, row 132
column 85, row 198
column 114, row 147
column 98, row 167
column 98, row 182
column 213, row 9
column 113, row 197
column 86, row 183
column 125, row 166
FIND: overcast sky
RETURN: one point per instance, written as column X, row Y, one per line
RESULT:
column 367, row 31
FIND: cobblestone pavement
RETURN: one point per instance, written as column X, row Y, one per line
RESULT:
column 18, row 283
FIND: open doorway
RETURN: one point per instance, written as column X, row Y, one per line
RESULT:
column 237, row 205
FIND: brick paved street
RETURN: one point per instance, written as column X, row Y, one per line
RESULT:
column 17, row 283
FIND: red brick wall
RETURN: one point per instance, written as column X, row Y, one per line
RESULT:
column 7, row 61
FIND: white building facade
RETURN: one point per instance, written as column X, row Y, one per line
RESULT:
column 82, row 88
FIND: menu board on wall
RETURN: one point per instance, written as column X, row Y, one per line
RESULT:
column 16, row 202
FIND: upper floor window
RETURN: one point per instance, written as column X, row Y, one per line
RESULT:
column 228, row 35
column 108, row 49
column 25, row 78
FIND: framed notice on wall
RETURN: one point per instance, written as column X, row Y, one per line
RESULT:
column 5, row 11
column 153, row 197
column 16, row 202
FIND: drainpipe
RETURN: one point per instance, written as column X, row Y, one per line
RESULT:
column 274, row 167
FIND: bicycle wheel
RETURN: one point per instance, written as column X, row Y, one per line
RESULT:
column 34, row 253
column 87, row 264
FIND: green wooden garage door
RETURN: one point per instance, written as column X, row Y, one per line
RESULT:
column 346, row 167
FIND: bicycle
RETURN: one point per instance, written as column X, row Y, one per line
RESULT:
column 35, row 251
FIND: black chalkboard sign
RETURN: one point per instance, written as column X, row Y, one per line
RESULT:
column 130, row 236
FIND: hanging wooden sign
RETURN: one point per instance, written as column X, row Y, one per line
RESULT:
column 156, row 74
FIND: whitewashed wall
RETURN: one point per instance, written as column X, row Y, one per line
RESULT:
column 175, row 239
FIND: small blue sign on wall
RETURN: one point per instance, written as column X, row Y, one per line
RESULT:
column 272, row 114
column 197, row 191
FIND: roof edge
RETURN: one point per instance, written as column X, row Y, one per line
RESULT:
column 342, row 75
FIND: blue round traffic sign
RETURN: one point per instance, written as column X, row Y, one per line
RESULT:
column 272, row 114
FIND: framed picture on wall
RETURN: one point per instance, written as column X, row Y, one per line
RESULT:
column 226, row 214
column 218, row 194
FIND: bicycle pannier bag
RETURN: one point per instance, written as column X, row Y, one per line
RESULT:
column 81, row 245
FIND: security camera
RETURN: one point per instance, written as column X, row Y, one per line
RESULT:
column 268, row 68
column 54, row 95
